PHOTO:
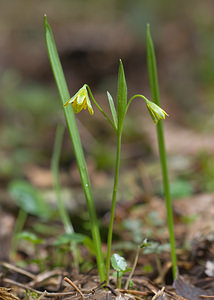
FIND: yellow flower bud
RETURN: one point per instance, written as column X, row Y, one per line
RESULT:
column 155, row 111
column 80, row 101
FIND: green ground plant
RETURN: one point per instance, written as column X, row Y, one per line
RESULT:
column 119, row 264
column 29, row 201
column 77, row 147
column 82, row 100
column 154, row 87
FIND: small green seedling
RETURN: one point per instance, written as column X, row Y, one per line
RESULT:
column 29, row 201
column 76, row 238
column 35, row 241
column 30, row 237
column 31, row 295
column 62, row 246
column 119, row 264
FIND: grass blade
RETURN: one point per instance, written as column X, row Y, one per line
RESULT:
column 75, row 138
column 153, row 80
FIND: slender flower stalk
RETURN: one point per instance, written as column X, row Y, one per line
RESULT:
column 121, row 112
column 113, row 205
column 156, row 112
column 153, row 80
column 133, row 268
column 77, row 146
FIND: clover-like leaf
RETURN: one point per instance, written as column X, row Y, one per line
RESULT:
column 118, row 262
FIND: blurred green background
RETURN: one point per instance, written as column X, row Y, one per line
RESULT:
column 91, row 36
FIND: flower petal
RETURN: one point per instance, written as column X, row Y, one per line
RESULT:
column 156, row 112
column 80, row 101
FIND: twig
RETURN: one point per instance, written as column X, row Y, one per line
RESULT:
column 18, row 270
column 111, row 289
column 44, row 276
column 133, row 292
column 43, row 295
column 25, row 287
column 159, row 293
column 206, row 296
column 74, row 286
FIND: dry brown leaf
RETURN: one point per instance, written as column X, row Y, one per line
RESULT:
column 187, row 290
column 6, row 295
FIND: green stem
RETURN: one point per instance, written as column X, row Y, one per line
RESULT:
column 153, row 80
column 76, row 142
column 166, row 186
column 114, row 196
column 132, row 98
column 119, row 284
column 55, row 171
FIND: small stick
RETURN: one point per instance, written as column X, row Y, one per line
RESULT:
column 159, row 293
column 43, row 295
column 133, row 292
column 74, row 286
column 44, row 276
column 18, row 270
column 111, row 289
column 205, row 296
column 25, row 287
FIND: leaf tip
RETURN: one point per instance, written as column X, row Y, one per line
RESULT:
column 121, row 63
column 148, row 29
column 45, row 21
column 45, row 18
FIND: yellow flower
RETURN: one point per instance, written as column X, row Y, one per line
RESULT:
column 80, row 101
column 155, row 111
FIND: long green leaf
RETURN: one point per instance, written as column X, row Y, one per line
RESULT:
column 75, row 138
column 153, row 80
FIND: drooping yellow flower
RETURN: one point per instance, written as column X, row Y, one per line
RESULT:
column 155, row 111
column 80, row 101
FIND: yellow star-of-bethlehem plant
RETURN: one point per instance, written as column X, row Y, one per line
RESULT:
column 155, row 111
column 81, row 101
